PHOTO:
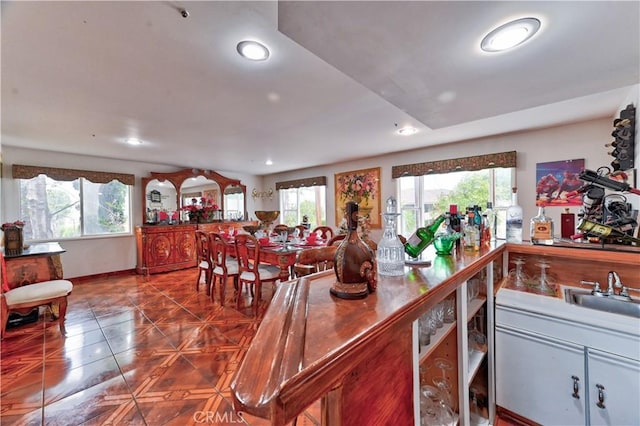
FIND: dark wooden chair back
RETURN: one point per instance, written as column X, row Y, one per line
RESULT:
column 314, row 260
column 326, row 232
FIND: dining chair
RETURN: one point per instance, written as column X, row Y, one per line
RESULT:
column 27, row 297
column 314, row 260
column 224, row 265
column 326, row 233
column 203, row 260
column 336, row 240
column 301, row 228
column 372, row 244
column 281, row 227
column 251, row 271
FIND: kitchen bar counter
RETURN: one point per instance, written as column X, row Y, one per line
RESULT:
column 355, row 355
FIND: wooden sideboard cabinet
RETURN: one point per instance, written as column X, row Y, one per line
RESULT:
column 164, row 248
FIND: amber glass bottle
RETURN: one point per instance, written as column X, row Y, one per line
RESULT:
column 354, row 261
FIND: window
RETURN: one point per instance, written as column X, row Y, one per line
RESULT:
column 58, row 209
column 422, row 198
column 304, row 201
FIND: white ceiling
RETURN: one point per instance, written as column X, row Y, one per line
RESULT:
column 82, row 76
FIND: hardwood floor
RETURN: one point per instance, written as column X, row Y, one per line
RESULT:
column 137, row 351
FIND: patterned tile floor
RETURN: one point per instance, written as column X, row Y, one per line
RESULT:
column 137, row 351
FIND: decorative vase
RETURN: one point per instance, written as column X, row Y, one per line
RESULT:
column 354, row 262
column 13, row 242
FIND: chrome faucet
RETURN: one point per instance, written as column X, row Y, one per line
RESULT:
column 613, row 282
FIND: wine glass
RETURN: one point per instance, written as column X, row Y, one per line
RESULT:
column 517, row 277
column 542, row 283
column 443, row 385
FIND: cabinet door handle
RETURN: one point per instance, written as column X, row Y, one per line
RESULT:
column 576, row 388
column 600, row 402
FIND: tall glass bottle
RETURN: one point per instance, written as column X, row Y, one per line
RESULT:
column 471, row 234
column 514, row 219
column 492, row 220
column 541, row 228
column 390, row 253
column 423, row 236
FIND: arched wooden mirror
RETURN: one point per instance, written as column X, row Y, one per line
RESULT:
column 190, row 184
column 161, row 202
column 234, row 201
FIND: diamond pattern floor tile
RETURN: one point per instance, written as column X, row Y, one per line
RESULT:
column 137, row 351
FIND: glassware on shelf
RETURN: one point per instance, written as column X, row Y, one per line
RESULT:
column 424, row 329
column 449, row 310
column 473, row 288
column 438, row 315
column 543, row 283
column 517, row 278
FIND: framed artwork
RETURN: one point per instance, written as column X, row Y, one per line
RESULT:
column 363, row 187
column 212, row 194
column 557, row 182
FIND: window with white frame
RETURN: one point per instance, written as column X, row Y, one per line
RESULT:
column 295, row 203
column 303, row 197
column 422, row 198
column 55, row 209
column 427, row 189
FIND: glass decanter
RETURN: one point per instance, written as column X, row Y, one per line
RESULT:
column 390, row 252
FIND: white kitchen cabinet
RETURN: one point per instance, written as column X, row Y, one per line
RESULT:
column 553, row 368
column 535, row 377
column 614, row 389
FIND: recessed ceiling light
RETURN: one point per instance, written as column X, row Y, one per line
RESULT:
column 510, row 34
column 253, row 50
column 133, row 141
column 407, row 131
column 268, row 162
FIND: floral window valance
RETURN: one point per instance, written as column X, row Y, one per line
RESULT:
column 299, row 183
column 19, row 171
column 478, row 162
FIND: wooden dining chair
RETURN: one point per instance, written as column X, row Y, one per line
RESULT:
column 301, row 228
column 326, row 232
column 314, row 260
column 224, row 265
column 203, row 260
column 336, row 240
column 251, row 271
column 281, row 227
column 26, row 298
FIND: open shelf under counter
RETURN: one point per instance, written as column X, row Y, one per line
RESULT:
column 474, row 306
column 441, row 334
column 475, row 361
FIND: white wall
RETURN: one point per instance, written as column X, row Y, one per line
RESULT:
column 90, row 256
column 582, row 140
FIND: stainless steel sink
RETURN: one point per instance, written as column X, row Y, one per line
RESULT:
column 604, row 303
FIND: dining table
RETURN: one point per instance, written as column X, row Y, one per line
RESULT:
column 277, row 253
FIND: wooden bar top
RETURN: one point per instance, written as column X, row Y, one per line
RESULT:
column 289, row 366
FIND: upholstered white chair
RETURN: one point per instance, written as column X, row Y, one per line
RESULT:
column 27, row 297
